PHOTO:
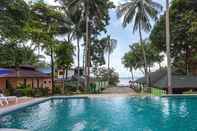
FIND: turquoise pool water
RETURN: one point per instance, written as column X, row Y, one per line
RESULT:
column 107, row 114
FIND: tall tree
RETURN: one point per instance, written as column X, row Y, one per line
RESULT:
column 13, row 55
column 182, row 29
column 141, row 12
column 95, row 15
column 134, row 58
column 111, row 45
column 64, row 56
column 168, row 47
column 14, row 15
column 46, row 24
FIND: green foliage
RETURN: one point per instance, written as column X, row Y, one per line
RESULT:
column 14, row 15
column 110, row 75
column 140, row 12
column 97, row 53
column 70, row 86
column 13, row 55
column 64, row 55
column 183, row 18
column 134, row 58
column 158, row 92
column 57, row 90
column 40, row 92
column 24, row 90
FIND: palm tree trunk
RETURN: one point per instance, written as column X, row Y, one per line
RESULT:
column 144, row 56
column 132, row 74
column 109, row 43
column 78, row 63
column 108, row 65
column 168, row 48
column 86, row 52
column 84, row 55
column 52, row 69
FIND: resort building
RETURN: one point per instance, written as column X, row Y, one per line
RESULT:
column 24, row 75
column 180, row 83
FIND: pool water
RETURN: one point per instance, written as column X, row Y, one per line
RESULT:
column 107, row 114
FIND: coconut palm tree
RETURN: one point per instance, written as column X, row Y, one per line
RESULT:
column 168, row 48
column 141, row 12
column 92, row 10
column 111, row 45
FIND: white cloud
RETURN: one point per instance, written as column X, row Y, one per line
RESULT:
column 51, row 2
column 117, row 2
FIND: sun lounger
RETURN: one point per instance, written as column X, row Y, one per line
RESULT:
column 6, row 99
column 1, row 103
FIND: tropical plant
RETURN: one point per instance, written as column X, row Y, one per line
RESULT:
column 110, row 75
column 140, row 12
column 134, row 58
column 64, row 56
column 95, row 17
column 182, row 29
column 13, row 55
column 14, row 15
column 111, row 45
column 45, row 25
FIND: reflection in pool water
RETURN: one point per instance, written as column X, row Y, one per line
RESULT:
column 107, row 114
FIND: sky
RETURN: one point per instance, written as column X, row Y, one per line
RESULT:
column 124, row 37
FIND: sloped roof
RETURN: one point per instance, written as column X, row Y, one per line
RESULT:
column 178, row 81
column 154, row 76
column 46, row 70
column 21, row 72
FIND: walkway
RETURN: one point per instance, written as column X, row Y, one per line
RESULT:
column 119, row 90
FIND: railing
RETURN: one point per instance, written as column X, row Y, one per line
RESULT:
column 158, row 92
column 98, row 86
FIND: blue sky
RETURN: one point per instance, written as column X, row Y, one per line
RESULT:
column 124, row 36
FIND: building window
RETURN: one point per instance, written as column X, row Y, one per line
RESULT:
column 45, row 82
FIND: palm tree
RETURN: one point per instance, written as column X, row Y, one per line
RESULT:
column 91, row 10
column 110, row 47
column 140, row 12
column 168, row 48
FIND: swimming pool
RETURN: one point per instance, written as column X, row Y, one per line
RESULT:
column 107, row 114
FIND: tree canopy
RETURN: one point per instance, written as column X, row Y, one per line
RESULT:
column 183, row 31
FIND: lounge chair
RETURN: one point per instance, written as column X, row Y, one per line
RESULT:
column 6, row 99
column 1, row 103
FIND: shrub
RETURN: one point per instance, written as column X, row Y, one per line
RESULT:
column 105, row 75
column 24, row 90
column 57, row 90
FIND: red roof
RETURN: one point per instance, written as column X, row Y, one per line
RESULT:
column 23, row 73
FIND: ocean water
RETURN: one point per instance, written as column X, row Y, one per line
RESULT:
column 124, row 81
column 107, row 114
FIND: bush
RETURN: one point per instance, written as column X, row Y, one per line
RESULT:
column 38, row 92
column 24, row 90
column 57, row 90
column 104, row 74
